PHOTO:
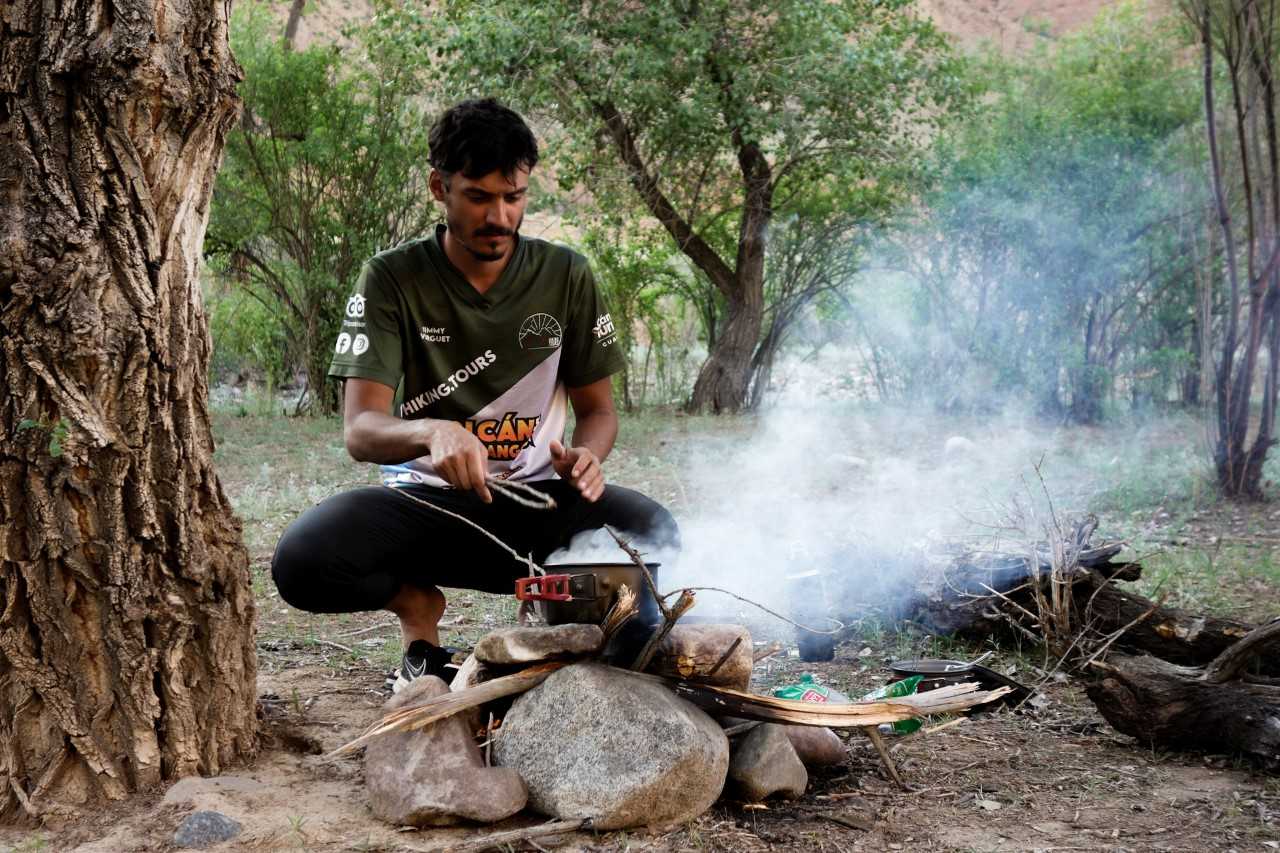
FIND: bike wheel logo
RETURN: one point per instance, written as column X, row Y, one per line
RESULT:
column 540, row 331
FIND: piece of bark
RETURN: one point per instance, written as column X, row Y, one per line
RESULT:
column 698, row 653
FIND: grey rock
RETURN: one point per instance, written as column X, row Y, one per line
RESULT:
column 436, row 776
column 601, row 743
column 204, row 829
column 816, row 746
column 528, row 644
column 765, row 763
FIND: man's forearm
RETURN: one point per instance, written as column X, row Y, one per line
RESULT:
column 596, row 431
column 385, row 439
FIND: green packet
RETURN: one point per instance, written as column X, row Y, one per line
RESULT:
column 808, row 690
column 905, row 687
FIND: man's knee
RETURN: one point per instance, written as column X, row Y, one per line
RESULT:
column 294, row 559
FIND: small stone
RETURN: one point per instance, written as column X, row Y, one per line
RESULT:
column 204, row 829
column 436, row 776
column 816, row 746
column 596, row 742
column 530, row 644
column 989, row 805
column 765, row 763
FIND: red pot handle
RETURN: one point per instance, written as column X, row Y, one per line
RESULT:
column 544, row 588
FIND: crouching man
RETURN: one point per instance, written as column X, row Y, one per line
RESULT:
column 460, row 353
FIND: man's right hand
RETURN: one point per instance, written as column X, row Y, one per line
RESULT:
column 459, row 457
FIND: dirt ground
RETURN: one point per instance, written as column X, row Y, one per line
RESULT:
column 1049, row 776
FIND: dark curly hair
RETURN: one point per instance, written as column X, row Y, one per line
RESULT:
column 479, row 136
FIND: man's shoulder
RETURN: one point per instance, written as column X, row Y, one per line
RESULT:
column 555, row 255
column 402, row 262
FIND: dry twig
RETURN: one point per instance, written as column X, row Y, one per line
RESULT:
column 512, row 836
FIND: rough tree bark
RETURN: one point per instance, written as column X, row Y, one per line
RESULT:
column 126, row 616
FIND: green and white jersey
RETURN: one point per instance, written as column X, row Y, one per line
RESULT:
column 498, row 362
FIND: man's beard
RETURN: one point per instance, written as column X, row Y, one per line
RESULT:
column 487, row 231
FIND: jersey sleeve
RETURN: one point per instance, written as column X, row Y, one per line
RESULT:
column 369, row 345
column 592, row 347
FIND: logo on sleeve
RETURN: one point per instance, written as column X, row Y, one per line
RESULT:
column 360, row 345
column 344, row 344
column 540, row 331
column 603, row 327
column 355, row 305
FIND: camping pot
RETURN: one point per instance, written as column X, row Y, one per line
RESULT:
column 579, row 592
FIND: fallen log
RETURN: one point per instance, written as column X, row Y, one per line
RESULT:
column 980, row 594
column 1209, row 709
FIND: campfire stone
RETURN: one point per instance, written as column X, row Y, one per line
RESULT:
column 204, row 829
column 436, row 776
column 600, row 743
column 816, row 746
column 529, row 644
column 765, row 763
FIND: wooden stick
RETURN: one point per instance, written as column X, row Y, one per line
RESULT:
column 682, row 606
column 874, row 733
column 724, row 657
column 644, row 569
column 423, row 714
column 721, row 701
column 767, row 652
column 511, row 836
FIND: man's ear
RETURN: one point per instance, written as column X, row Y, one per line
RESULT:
column 437, row 183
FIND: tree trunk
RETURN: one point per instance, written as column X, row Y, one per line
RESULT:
column 126, row 626
column 725, row 377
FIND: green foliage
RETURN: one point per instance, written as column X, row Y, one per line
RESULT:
column 247, row 335
column 645, row 284
column 325, row 170
column 712, row 117
column 1051, row 237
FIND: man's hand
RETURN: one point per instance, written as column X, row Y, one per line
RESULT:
column 580, row 467
column 459, row 457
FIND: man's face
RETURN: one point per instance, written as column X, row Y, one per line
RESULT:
column 483, row 214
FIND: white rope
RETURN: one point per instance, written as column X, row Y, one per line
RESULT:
column 534, row 568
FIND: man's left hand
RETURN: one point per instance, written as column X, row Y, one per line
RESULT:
column 580, row 467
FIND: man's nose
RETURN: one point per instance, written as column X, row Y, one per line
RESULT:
column 497, row 213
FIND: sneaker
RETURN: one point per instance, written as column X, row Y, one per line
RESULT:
column 422, row 658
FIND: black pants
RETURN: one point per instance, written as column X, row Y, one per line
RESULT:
column 355, row 550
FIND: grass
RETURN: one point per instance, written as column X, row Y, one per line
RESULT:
column 1146, row 481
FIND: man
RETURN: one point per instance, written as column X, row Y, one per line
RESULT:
column 458, row 352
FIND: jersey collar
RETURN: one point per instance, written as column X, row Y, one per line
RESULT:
column 456, row 280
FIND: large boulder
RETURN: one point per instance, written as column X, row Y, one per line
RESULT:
column 436, row 776
column 765, row 763
column 529, row 644
column 597, row 742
